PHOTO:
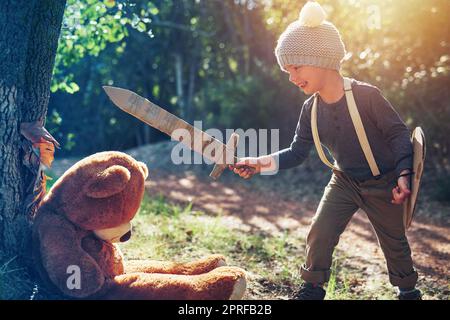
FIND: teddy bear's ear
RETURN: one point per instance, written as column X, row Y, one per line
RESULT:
column 108, row 182
column 144, row 169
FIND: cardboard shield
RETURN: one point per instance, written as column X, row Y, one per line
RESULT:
column 419, row 148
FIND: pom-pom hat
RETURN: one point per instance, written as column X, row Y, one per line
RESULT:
column 311, row 40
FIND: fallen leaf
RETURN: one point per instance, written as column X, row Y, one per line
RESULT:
column 46, row 151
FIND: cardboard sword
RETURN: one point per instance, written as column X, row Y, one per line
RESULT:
column 222, row 155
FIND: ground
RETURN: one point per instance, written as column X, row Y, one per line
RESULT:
column 261, row 224
column 252, row 211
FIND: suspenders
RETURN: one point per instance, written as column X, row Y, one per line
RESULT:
column 357, row 123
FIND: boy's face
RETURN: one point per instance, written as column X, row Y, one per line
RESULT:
column 307, row 78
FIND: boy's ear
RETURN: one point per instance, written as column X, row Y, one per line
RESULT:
column 108, row 182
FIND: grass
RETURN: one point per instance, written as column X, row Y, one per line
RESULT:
column 15, row 282
column 169, row 232
column 346, row 284
column 165, row 231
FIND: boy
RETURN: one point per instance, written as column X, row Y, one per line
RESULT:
column 311, row 51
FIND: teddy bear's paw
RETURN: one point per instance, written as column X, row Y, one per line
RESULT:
column 237, row 276
column 217, row 260
column 205, row 265
column 239, row 289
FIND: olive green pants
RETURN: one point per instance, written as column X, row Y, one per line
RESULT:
column 342, row 197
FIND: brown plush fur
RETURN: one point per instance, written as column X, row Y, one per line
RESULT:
column 104, row 191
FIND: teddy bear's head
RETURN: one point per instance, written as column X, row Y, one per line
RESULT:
column 101, row 193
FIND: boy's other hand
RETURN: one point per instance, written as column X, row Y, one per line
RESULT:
column 401, row 192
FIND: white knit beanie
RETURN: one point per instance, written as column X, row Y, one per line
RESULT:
column 311, row 40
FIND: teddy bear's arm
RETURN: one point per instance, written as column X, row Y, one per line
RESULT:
column 221, row 283
column 190, row 268
column 68, row 266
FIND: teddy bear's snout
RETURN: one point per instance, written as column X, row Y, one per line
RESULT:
column 120, row 233
column 126, row 237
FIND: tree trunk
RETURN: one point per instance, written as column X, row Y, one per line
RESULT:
column 179, row 82
column 191, row 90
column 29, row 32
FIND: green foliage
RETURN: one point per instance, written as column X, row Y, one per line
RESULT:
column 88, row 27
column 214, row 61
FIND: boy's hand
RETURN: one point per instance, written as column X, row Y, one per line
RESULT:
column 246, row 168
column 401, row 192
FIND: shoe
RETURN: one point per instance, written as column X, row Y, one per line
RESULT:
column 414, row 294
column 309, row 291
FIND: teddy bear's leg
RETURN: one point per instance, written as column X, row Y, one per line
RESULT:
column 222, row 283
column 191, row 268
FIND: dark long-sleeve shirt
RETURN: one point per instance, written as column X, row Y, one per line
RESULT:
column 388, row 136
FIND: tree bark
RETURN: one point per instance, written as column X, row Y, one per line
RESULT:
column 191, row 89
column 29, row 32
column 179, row 82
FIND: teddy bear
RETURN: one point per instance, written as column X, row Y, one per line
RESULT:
column 82, row 218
